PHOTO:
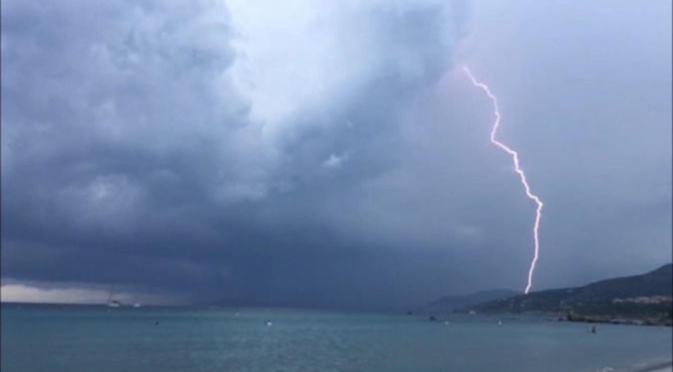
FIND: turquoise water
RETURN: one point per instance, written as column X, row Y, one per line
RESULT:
column 97, row 339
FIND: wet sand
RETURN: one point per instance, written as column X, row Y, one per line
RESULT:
column 661, row 367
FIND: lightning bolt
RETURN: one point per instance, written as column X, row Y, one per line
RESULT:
column 517, row 168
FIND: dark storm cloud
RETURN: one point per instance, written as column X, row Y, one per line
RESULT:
column 303, row 154
column 129, row 157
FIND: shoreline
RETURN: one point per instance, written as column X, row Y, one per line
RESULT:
column 632, row 322
column 597, row 319
column 645, row 321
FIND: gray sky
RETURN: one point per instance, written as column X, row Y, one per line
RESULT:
column 321, row 153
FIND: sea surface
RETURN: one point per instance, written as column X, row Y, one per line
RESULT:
column 82, row 339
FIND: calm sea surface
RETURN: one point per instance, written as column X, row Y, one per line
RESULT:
column 80, row 339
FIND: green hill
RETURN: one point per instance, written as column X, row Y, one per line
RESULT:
column 645, row 298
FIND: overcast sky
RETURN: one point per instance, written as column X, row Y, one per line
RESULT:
column 322, row 153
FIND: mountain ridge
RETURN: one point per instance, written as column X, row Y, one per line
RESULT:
column 646, row 298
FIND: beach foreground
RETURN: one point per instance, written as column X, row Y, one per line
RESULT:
column 663, row 367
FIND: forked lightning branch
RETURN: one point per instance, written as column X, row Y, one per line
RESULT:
column 518, row 169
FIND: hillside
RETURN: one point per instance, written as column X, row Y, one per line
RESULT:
column 646, row 298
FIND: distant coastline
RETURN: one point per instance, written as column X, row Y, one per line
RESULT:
column 660, row 322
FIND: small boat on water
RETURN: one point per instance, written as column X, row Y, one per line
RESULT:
column 110, row 302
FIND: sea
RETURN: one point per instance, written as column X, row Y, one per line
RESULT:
column 165, row 339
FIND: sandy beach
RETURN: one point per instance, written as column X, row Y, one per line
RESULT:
column 664, row 369
column 661, row 367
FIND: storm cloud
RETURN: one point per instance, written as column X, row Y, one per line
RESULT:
column 314, row 153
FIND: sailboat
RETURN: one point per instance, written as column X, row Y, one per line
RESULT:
column 136, row 304
column 112, row 303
